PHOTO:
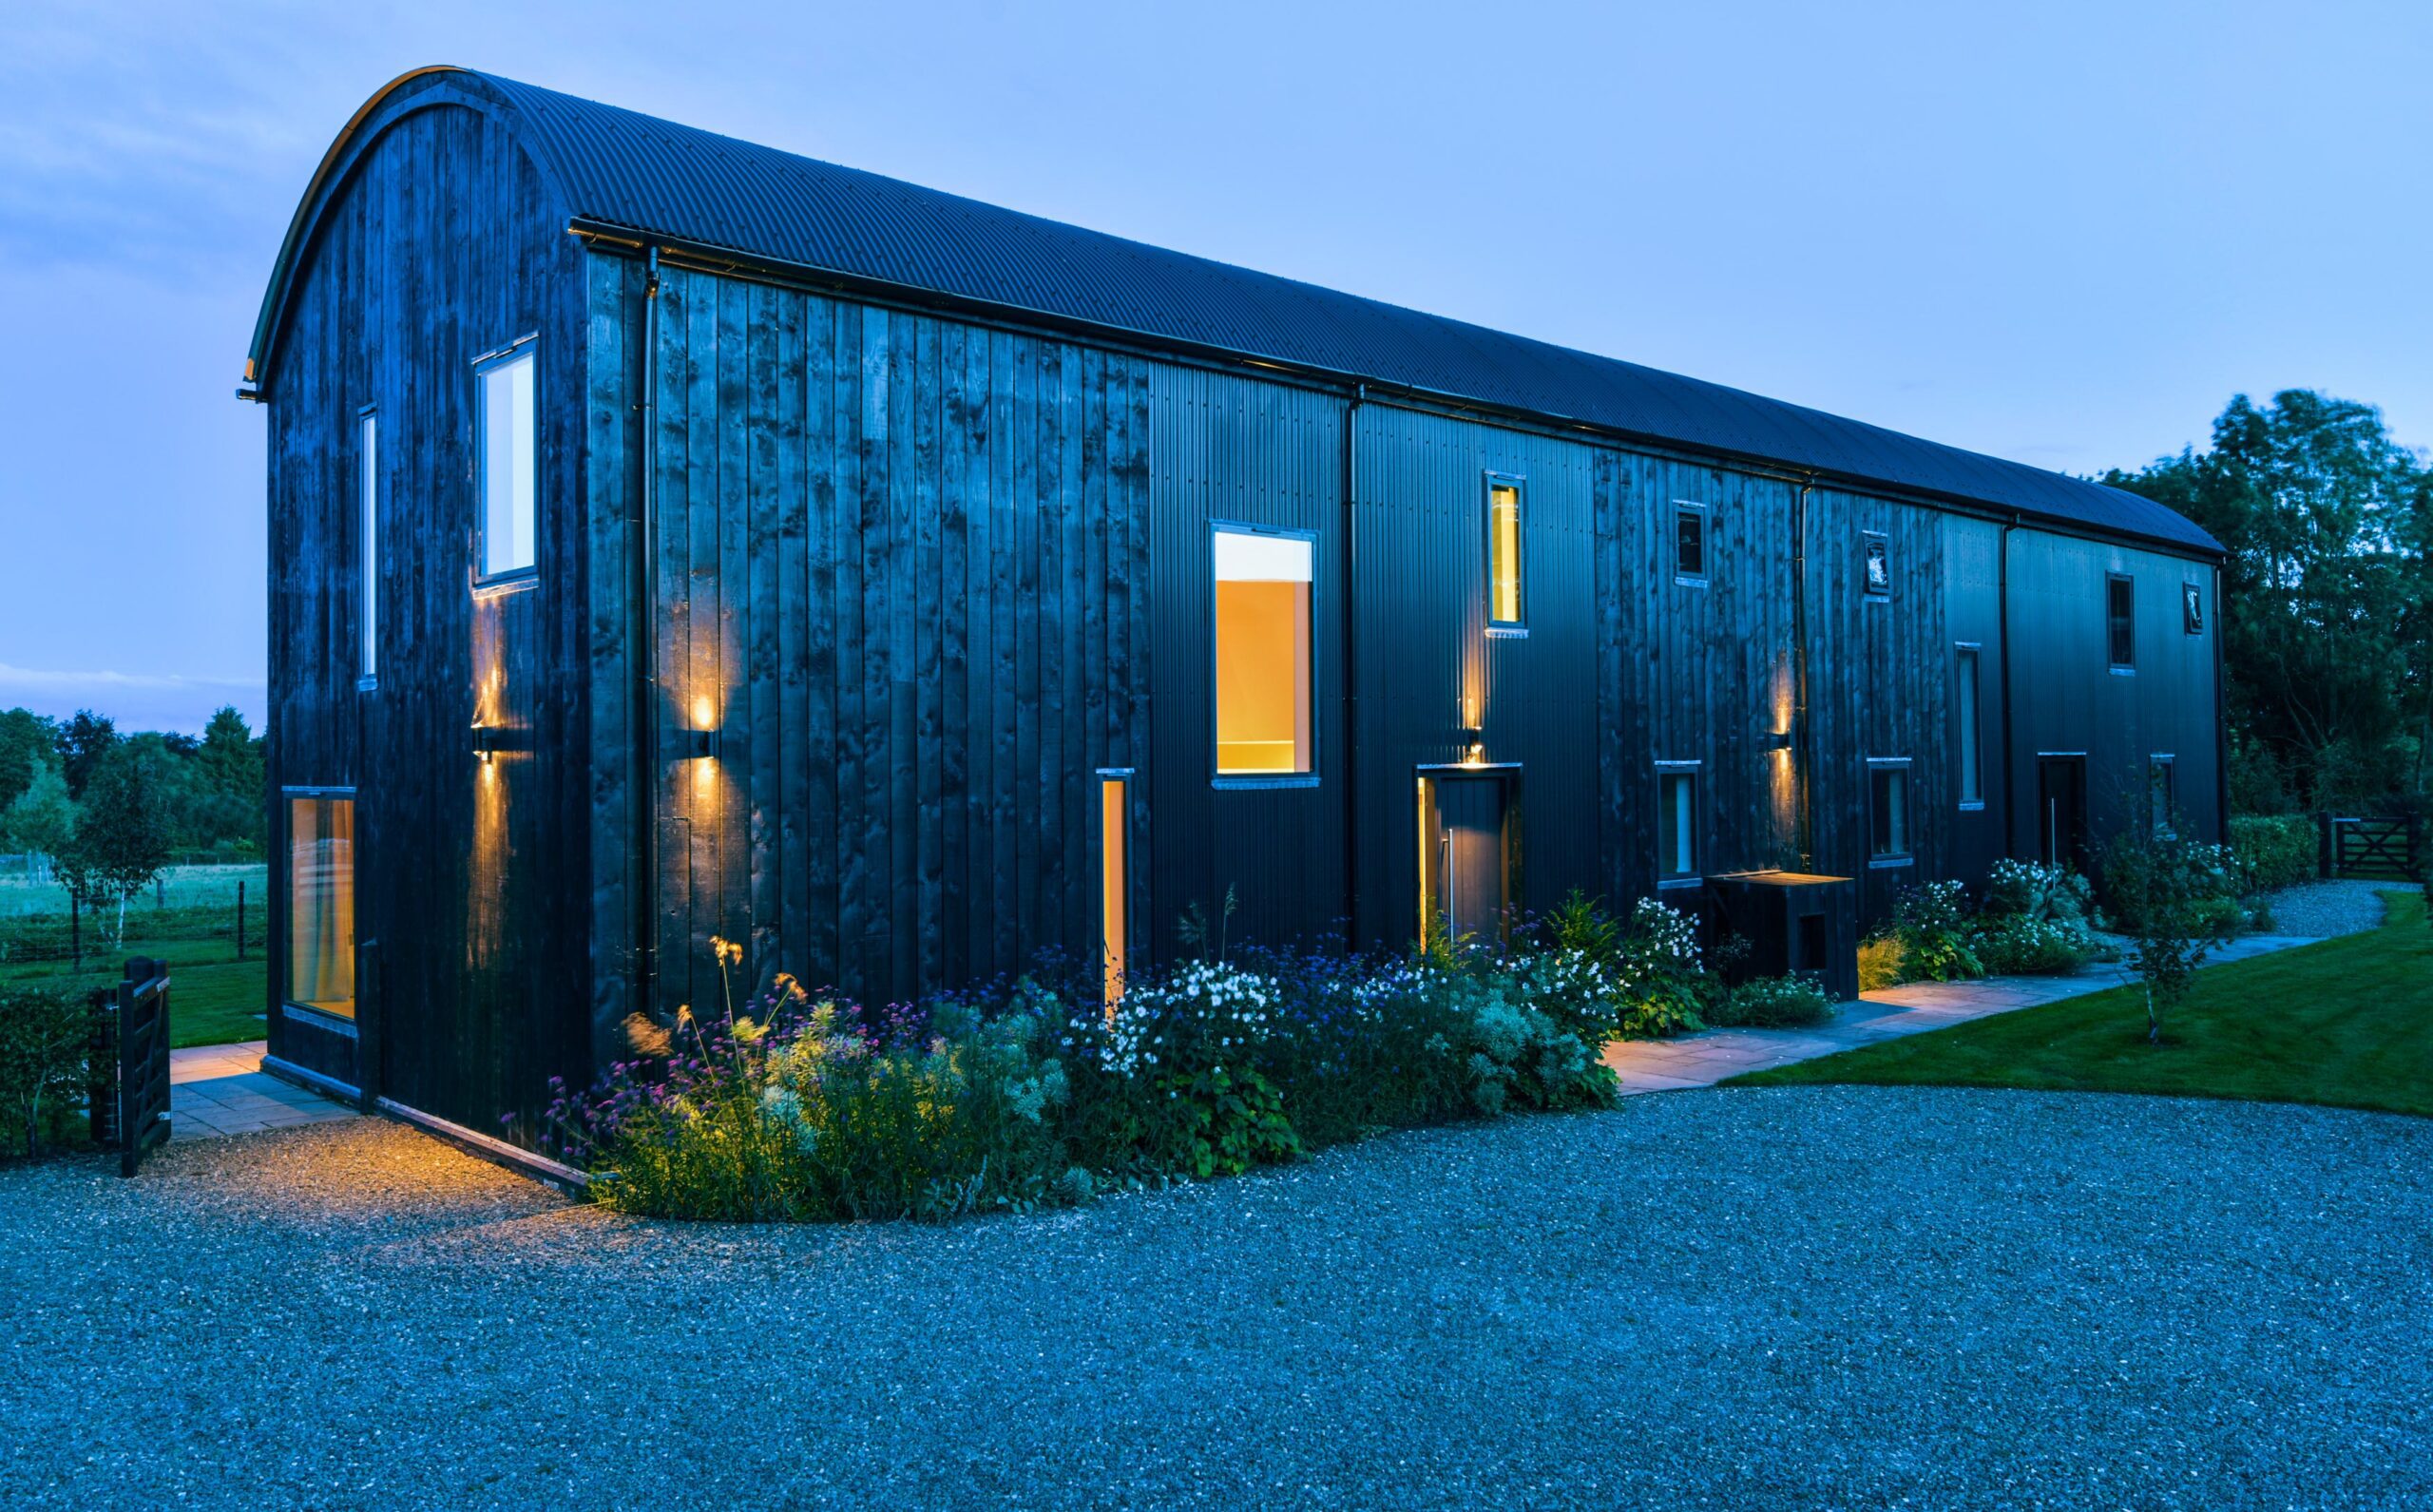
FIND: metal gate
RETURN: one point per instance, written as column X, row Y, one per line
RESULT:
column 130, row 1063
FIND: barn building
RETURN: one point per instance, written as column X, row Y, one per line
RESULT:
column 674, row 538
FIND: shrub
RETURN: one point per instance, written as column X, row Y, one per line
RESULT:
column 2274, row 851
column 43, row 1037
column 2036, row 891
column 2016, row 944
column 1772, row 1003
column 1657, row 973
column 1930, row 922
column 2204, row 878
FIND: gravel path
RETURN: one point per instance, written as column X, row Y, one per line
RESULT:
column 1848, row 1297
column 2322, row 910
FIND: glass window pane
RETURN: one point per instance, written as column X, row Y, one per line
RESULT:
column 1972, row 786
column 368, row 487
column 1689, row 544
column 1878, row 566
column 1263, row 654
column 2120, row 612
column 508, row 476
column 1504, row 554
column 320, row 903
column 1891, row 811
column 1677, row 825
column 1114, row 896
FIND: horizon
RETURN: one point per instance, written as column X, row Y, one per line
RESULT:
column 2018, row 280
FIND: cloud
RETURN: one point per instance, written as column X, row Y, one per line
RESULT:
column 137, row 700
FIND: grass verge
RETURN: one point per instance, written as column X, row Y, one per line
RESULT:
column 2346, row 1024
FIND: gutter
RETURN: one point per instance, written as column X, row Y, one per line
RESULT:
column 644, row 647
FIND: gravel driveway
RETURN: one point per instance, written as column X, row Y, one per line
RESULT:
column 2322, row 910
column 1799, row 1298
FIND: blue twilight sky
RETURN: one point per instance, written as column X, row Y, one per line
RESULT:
column 2064, row 233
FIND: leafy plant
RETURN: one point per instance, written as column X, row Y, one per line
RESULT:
column 2170, row 891
column 1658, row 973
column 1772, row 1003
column 2274, row 851
column 1932, row 924
column 43, row 1038
column 2016, row 944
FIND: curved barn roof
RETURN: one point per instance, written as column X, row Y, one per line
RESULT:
column 621, row 169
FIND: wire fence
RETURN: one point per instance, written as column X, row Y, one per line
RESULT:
column 219, row 909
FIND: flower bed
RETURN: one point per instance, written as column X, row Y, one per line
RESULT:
column 804, row 1106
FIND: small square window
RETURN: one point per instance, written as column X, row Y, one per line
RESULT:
column 1689, row 542
column 2120, row 622
column 1676, row 822
column 1504, row 552
column 2191, row 608
column 1888, row 810
column 1876, row 566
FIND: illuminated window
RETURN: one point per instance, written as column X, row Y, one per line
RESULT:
column 1964, row 715
column 2162, row 797
column 1263, row 654
column 320, row 903
column 1889, row 803
column 507, row 464
column 1876, row 565
column 1114, row 885
column 1689, row 542
column 1504, row 552
column 1677, row 821
column 2121, row 620
column 368, row 491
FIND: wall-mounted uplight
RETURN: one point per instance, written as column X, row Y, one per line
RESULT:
column 1778, row 740
column 699, row 744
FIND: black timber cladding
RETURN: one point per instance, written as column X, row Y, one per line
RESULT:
column 620, row 169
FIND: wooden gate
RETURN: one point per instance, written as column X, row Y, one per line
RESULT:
column 2386, row 849
column 130, row 1063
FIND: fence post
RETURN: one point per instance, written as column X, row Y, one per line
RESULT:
column 240, row 918
column 2324, row 850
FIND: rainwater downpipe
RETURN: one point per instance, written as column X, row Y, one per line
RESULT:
column 2003, row 628
column 1351, row 667
column 1802, row 728
column 644, row 650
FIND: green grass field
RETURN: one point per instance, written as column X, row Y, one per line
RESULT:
column 216, row 998
column 2348, row 1024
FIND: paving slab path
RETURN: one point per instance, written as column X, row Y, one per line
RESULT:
column 1718, row 1055
column 222, row 1089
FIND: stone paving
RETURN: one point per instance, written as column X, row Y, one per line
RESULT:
column 1703, row 1059
column 220, row 1089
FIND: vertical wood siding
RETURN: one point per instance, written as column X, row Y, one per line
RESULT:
column 461, row 866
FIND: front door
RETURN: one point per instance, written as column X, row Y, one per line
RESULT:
column 2061, row 810
column 1468, row 878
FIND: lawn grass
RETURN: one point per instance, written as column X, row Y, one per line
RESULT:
column 2347, row 1022
column 217, row 999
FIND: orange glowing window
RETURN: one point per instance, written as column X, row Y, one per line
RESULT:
column 1263, row 654
column 320, row 903
column 1114, row 885
column 1503, row 553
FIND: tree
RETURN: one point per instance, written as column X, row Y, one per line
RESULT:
column 229, row 766
column 122, row 837
column 26, row 739
column 2324, row 596
column 42, row 818
column 83, row 742
column 2171, row 892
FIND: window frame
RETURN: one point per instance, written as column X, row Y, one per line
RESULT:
column 1907, row 854
column 1704, row 514
column 1968, row 754
column 1872, row 543
column 1665, row 774
column 1115, row 934
column 1519, row 629
column 2161, row 820
column 288, row 1003
column 367, row 548
column 2118, row 667
column 523, row 349
column 2191, row 608
column 1219, row 777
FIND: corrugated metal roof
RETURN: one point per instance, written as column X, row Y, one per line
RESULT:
column 653, row 176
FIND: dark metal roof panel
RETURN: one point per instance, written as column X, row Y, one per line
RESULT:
column 635, row 171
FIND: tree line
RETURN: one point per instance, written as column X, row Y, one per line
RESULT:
column 2326, row 601
column 108, row 811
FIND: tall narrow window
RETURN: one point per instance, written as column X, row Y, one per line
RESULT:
column 2120, row 622
column 2191, row 608
column 2162, row 797
column 507, row 463
column 1963, row 714
column 320, row 903
column 1263, row 654
column 1114, row 885
column 1677, row 821
column 1888, row 806
column 367, row 487
column 1689, row 543
column 1503, row 553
